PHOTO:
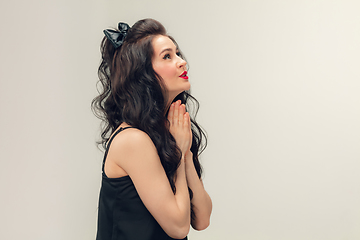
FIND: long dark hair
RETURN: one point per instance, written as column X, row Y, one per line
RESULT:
column 131, row 92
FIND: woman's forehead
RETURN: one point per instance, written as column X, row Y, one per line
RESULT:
column 161, row 43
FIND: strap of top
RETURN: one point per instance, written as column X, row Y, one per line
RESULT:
column 109, row 143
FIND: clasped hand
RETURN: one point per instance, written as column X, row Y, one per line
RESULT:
column 180, row 126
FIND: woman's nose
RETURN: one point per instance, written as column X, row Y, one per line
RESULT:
column 181, row 62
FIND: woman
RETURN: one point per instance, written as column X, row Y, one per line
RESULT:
column 151, row 185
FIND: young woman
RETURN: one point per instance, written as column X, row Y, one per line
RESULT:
column 151, row 181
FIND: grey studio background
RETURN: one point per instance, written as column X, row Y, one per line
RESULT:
column 278, row 83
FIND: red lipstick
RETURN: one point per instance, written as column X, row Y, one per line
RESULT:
column 184, row 75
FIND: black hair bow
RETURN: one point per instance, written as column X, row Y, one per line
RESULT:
column 117, row 37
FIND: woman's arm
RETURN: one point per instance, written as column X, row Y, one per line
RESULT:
column 134, row 152
column 201, row 200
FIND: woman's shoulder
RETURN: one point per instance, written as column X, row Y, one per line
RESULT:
column 131, row 138
column 131, row 148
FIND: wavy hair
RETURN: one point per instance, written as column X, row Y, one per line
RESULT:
column 131, row 92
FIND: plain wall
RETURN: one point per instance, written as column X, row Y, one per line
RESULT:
column 278, row 83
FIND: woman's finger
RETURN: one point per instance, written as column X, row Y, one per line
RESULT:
column 171, row 113
column 176, row 113
column 181, row 114
column 186, row 120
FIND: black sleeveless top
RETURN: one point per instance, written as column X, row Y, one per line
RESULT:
column 121, row 214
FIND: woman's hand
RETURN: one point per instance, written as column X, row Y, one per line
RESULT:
column 180, row 126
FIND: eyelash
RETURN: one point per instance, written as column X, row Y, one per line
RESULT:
column 167, row 56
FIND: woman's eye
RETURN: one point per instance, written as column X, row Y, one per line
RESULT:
column 167, row 56
column 178, row 53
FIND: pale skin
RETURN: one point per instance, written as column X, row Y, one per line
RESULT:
column 133, row 153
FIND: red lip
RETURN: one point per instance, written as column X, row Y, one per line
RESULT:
column 184, row 75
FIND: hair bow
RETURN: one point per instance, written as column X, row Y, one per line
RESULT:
column 117, row 37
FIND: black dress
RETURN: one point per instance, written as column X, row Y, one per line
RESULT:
column 121, row 214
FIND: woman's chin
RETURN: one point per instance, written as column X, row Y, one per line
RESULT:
column 187, row 88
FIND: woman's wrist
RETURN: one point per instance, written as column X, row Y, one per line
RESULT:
column 189, row 163
column 188, row 156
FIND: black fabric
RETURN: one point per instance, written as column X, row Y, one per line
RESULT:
column 121, row 214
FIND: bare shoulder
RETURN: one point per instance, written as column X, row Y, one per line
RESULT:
column 130, row 143
column 131, row 137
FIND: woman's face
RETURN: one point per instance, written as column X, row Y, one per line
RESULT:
column 169, row 66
